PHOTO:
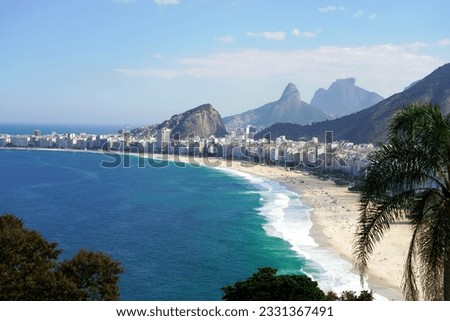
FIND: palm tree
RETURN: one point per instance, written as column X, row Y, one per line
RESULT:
column 409, row 179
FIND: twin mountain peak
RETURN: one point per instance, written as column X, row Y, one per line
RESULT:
column 342, row 97
column 366, row 113
column 370, row 125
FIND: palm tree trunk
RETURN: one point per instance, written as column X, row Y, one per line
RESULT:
column 447, row 259
column 447, row 276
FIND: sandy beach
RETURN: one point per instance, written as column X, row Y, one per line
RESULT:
column 334, row 216
column 335, row 213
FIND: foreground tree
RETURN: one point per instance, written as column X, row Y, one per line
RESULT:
column 409, row 179
column 95, row 275
column 27, row 262
column 265, row 285
column 29, row 268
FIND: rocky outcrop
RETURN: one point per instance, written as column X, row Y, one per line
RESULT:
column 289, row 108
column 202, row 121
column 344, row 97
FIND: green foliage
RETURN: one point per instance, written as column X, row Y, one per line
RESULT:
column 95, row 275
column 266, row 285
column 350, row 296
column 29, row 269
column 356, row 187
column 409, row 179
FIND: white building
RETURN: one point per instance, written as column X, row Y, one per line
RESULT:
column 20, row 141
column 162, row 140
column 4, row 140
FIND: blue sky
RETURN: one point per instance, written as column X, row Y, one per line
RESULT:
column 141, row 61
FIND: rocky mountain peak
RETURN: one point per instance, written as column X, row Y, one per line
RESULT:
column 289, row 91
column 344, row 97
column 346, row 82
column 371, row 125
column 202, row 121
column 289, row 108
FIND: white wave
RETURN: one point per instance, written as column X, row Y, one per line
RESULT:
column 287, row 218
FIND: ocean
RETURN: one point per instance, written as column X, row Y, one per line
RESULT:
column 46, row 129
column 180, row 232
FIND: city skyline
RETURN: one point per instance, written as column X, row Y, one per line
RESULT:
column 141, row 61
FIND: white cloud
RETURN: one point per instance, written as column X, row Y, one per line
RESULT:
column 308, row 34
column 331, row 9
column 385, row 69
column 269, row 35
column 444, row 42
column 358, row 14
column 416, row 45
column 361, row 13
column 166, row 2
column 156, row 55
column 226, row 39
column 327, row 9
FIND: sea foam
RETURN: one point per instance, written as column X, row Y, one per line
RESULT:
column 288, row 219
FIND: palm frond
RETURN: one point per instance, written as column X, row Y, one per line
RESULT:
column 424, row 204
column 374, row 220
column 419, row 123
column 399, row 167
column 422, row 127
column 410, row 177
column 432, row 249
column 409, row 281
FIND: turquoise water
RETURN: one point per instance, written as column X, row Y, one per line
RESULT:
column 180, row 233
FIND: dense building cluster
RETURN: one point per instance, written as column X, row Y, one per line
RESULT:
column 237, row 145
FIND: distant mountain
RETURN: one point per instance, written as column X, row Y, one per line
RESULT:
column 371, row 125
column 202, row 121
column 343, row 97
column 289, row 108
column 412, row 84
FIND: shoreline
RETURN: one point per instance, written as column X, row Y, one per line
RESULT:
column 334, row 212
column 336, row 232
